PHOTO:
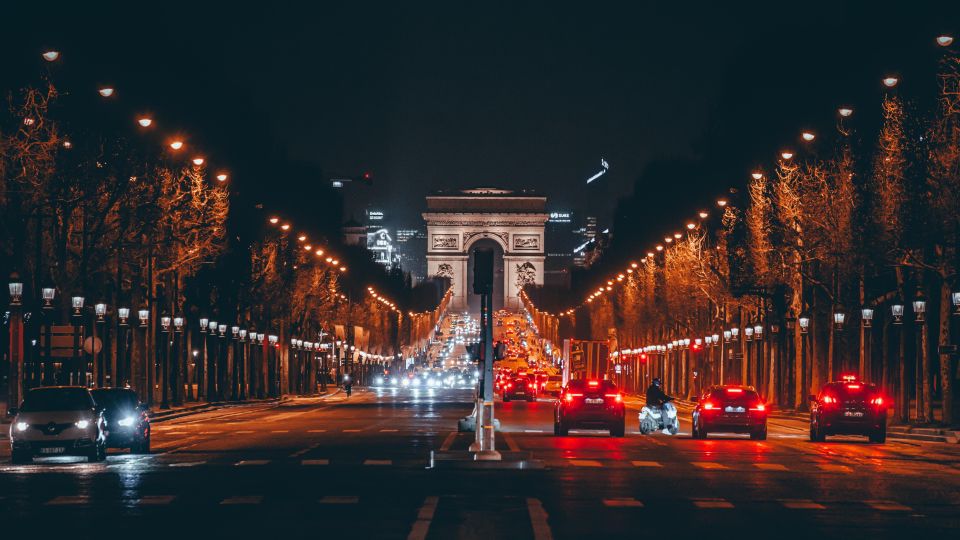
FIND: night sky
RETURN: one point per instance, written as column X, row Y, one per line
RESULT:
column 453, row 95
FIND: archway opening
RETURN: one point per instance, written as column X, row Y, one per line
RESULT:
column 473, row 300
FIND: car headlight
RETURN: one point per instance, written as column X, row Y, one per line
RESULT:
column 126, row 421
column 82, row 424
column 378, row 381
column 22, row 426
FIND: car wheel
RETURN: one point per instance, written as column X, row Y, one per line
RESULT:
column 618, row 430
column 879, row 436
column 564, row 430
column 556, row 428
column 506, row 399
column 19, row 458
column 759, row 435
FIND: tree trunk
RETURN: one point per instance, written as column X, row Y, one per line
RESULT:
column 946, row 359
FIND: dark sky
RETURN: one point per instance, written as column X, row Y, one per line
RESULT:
column 449, row 95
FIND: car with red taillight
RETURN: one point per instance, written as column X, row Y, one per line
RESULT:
column 519, row 388
column 730, row 409
column 590, row 404
column 849, row 407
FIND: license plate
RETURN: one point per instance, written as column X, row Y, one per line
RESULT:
column 52, row 450
column 735, row 409
column 597, row 401
column 855, row 414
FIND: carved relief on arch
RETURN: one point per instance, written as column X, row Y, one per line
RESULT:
column 503, row 236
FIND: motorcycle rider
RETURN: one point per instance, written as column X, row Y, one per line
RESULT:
column 347, row 385
column 656, row 397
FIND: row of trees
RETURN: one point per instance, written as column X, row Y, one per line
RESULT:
column 844, row 254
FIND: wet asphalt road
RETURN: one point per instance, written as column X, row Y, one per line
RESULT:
column 358, row 468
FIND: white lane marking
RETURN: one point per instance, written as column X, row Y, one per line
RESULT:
column 378, row 462
column 511, row 444
column 389, row 430
column 422, row 525
column 155, row 500
column 244, row 431
column 352, row 431
column 210, row 432
column 247, row 462
column 638, row 463
column 316, row 431
column 801, row 504
column 280, row 431
column 538, row 519
column 533, row 431
column 771, row 467
column 175, row 433
column 888, row 506
column 710, row 465
column 712, row 503
column 303, row 451
column 315, row 462
column 69, row 499
column 187, row 464
column 448, row 442
column 585, row 463
column 243, row 499
column 339, row 499
column 623, row 502
column 835, row 468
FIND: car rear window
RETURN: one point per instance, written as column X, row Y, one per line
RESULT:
column 57, row 399
column 723, row 393
column 554, row 378
column 849, row 389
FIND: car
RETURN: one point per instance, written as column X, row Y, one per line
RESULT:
column 553, row 385
column 730, row 409
column 596, row 404
column 57, row 421
column 849, row 407
column 127, row 420
column 519, row 388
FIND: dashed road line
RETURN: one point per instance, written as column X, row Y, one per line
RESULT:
column 187, row 464
column 585, row 463
column 802, row 504
column 154, row 500
column 378, row 462
column 244, row 431
column 888, row 506
column 829, row 467
column 315, row 462
column 352, row 430
column 538, row 519
column 68, row 499
column 280, row 431
column 339, row 499
column 210, row 432
column 638, row 463
column 448, row 442
column 712, row 503
column 389, row 430
column 511, row 444
column 252, row 462
column 709, row 465
column 533, row 431
column 316, row 431
column 422, row 525
column 303, row 451
column 771, row 467
column 623, row 502
column 243, row 499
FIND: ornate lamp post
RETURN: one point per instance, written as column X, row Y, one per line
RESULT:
column 180, row 372
column 144, row 382
column 923, row 360
column 78, row 370
column 274, row 366
column 866, row 340
column 100, row 310
column 15, row 382
column 165, row 368
column 235, row 350
column 123, row 326
column 223, row 354
column 44, row 373
column 243, row 361
column 201, row 366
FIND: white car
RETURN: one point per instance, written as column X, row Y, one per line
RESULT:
column 57, row 421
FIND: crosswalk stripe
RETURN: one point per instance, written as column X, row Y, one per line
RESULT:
column 637, row 463
column 585, row 463
column 771, row 466
column 712, row 503
column 69, row 499
column 247, row 462
column 243, row 499
column 339, row 499
column 424, row 517
column 154, row 500
column 539, row 520
column 623, row 502
column 829, row 467
column 315, row 462
column 888, row 506
column 801, row 504
column 378, row 462
column 711, row 465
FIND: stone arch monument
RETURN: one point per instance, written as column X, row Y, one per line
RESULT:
column 459, row 221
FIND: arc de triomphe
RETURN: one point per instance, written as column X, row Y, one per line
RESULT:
column 510, row 223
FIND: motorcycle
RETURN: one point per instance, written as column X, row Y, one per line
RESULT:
column 347, row 385
column 654, row 418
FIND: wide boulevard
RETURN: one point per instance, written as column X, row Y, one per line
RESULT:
column 360, row 467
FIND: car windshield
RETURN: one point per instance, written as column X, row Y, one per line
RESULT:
column 115, row 399
column 57, row 399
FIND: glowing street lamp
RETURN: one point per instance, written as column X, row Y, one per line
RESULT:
column 77, row 303
column 756, row 175
column 48, row 294
column 145, row 121
column 176, row 145
column 808, row 136
column 124, row 314
column 890, row 82
column 845, row 111
column 838, row 319
column 198, row 161
column 222, row 177
column 105, row 91
column 144, row 316
column 955, row 297
column 944, row 40
column 101, row 310
column 866, row 315
column 721, row 202
column 896, row 310
column 734, row 333
column 51, row 56
column 16, row 293
column 804, row 324
column 919, row 307
column 786, row 154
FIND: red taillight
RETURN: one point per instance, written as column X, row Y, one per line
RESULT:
column 509, row 385
column 734, row 390
column 594, row 383
column 616, row 397
column 829, row 399
column 853, row 386
column 759, row 407
column 708, row 405
column 568, row 396
column 530, row 386
column 877, row 401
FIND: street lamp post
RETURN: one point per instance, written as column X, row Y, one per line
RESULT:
column 123, row 326
column 145, row 381
column 274, row 366
column 213, row 354
column 44, row 373
column 923, row 390
column 866, row 341
column 15, row 382
column 164, row 367
column 903, row 406
column 223, row 354
column 178, row 374
column 99, row 324
column 235, row 368
column 201, row 367
column 243, row 360
column 78, row 370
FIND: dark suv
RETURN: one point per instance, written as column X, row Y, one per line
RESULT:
column 850, row 407
column 520, row 388
column 730, row 409
column 126, row 419
column 589, row 404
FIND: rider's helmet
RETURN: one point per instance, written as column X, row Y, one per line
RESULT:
column 656, row 382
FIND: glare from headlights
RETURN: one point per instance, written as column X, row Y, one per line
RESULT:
column 416, row 382
column 82, row 424
column 393, row 381
column 126, row 421
column 406, row 382
column 22, row 426
column 378, row 381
